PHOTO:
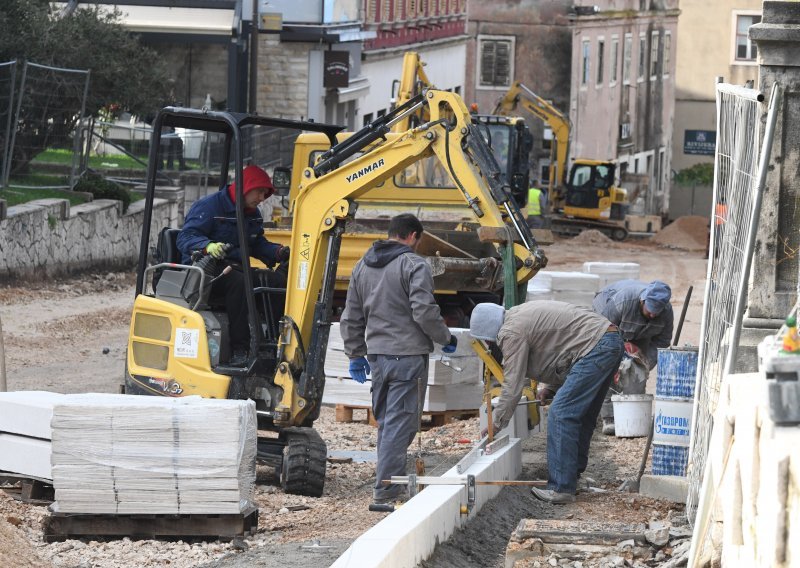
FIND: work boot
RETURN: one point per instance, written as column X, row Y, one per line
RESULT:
column 608, row 426
column 550, row 496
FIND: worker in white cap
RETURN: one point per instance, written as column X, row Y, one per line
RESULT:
column 564, row 345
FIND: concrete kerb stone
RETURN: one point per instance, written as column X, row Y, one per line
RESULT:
column 411, row 533
column 673, row 488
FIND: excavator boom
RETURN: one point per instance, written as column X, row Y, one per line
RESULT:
column 520, row 95
column 327, row 198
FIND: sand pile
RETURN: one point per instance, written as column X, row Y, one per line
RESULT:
column 15, row 550
column 685, row 233
column 591, row 237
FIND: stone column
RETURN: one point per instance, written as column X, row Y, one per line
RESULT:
column 773, row 288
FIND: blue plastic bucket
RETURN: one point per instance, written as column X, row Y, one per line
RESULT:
column 677, row 372
column 670, row 460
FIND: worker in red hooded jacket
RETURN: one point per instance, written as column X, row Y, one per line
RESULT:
column 210, row 225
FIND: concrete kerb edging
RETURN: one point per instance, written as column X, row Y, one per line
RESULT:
column 410, row 534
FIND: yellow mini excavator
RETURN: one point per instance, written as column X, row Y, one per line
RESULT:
column 178, row 339
column 586, row 199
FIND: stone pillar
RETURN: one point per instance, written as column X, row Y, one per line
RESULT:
column 773, row 288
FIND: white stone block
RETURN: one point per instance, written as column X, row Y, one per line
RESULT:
column 517, row 427
column 563, row 281
column 610, row 272
column 25, row 456
column 27, row 412
column 438, row 397
column 410, row 534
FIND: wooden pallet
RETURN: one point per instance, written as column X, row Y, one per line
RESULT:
column 62, row 526
column 430, row 419
column 442, row 417
column 344, row 413
column 34, row 490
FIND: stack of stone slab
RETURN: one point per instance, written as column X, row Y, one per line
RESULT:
column 575, row 288
column 25, row 432
column 454, row 381
column 610, row 272
column 151, row 455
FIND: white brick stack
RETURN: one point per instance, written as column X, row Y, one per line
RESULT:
column 454, row 381
column 575, row 288
column 610, row 272
column 152, row 455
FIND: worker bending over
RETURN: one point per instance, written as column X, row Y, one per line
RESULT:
column 389, row 325
column 564, row 345
column 644, row 316
column 210, row 225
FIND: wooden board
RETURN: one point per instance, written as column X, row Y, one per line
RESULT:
column 62, row 526
column 344, row 413
column 431, row 245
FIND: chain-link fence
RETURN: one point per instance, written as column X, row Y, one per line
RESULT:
column 50, row 104
column 8, row 76
column 738, row 183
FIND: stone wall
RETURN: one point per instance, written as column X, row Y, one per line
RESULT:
column 47, row 237
column 282, row 78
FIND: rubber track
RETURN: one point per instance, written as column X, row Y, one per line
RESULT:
column 570, row 227
column 304, row 461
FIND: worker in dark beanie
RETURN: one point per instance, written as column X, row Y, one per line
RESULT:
column 565, row 345
column 643, row 313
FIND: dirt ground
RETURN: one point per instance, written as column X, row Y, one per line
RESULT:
column 70, row 336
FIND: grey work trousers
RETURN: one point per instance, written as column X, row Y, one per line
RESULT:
column 397, row 406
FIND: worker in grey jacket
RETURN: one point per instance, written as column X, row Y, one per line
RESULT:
column 560, row 344
column 643, row 313
column 389, row 324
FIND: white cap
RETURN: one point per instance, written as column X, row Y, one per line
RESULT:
column 485, row 321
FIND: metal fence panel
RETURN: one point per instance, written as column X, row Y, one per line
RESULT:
column 51, row 102
column 8, row 76
column 735, row 195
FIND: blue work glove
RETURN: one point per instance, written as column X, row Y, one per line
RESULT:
column 359, row 369
column 451, row 347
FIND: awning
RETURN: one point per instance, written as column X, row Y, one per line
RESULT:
column 160, row 19
column 356, row 88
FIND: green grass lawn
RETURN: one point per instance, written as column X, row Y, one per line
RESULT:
column 60, row 156
column 15, row 196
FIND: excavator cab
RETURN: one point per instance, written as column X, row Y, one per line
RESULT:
column 511, row 141
column 178, row 343
column 592, row 193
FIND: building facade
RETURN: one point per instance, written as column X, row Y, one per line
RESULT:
column 726, row 53
column 436, row 29
column 622, row 92
column 528, row 41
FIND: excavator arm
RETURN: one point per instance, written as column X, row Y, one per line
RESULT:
column 327, row 199
column 413, row 81
column 520, row 95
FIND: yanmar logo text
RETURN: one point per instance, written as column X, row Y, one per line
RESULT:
column 364, row 171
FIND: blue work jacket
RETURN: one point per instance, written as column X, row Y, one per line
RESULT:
column 619, row 303
column 212, row 219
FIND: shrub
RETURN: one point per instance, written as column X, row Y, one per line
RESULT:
column 102, row 188
column 698, row 174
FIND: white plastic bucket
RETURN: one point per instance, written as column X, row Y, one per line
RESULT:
column 633, row 414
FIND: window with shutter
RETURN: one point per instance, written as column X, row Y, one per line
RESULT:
column 496, row 62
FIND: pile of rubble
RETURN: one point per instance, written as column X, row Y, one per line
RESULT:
column 541, row 543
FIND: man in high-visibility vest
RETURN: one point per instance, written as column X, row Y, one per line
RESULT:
column 537, row 202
